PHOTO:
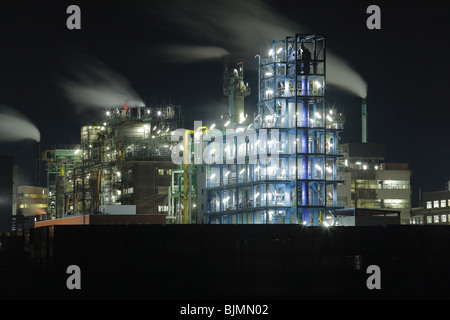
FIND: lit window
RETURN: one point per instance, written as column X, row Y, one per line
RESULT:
column 443, row 218
column 436, row 204
column 443, row 203
column 429, row 219
column 436, row 219
column 429, row 206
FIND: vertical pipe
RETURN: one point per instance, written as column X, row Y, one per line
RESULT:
column 364, row 120
column 38, row 165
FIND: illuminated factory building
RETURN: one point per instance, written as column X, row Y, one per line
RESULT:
column 121, row 160
column 281, row 166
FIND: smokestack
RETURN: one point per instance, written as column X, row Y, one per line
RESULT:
column 364, row 120
column 38, row 165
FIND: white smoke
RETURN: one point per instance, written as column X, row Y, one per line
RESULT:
column 244, row 30
column 15, row 126
column 340, row 74
column 97, row 86
column 192, row 53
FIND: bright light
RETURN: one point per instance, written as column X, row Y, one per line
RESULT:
column 268, row 118
column 270, row 52
column 148, row 111
column 257, row 195
column 227, row 173
column 155, row 128
column 167, row 130
column 364, row 167
column 329, row 169
column 269, row 91
column 318, row 115
column 268, row 74
column 159, row 113
column 318, row 85
column 346, row 162
column 376, row 167
column 108, row 113
column 279, row 50
column 326, row 224
column 331, row 111
column 242, row 171
column 118, row 173
column 213, row 176
column 212, row 126
column 318, row 167
column 226, row 199
column 159, row 131
column 304, row 223
column 329, row 118
column 77, row 151
column 227, row 123
column 257, row 168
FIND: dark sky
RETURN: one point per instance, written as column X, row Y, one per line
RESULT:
column 130, row 45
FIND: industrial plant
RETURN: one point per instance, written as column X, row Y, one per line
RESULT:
column 240, row 198
column 284, row 165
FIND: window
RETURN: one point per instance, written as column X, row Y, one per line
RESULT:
column 444, row 217
column 396, row 203
column 366, row 184
column 369, row 203
column 161, row 172
column 436, row 204
column 436, row 219
column 429, row 219
column 443, row 203
column 429, row 206
column 396, row 184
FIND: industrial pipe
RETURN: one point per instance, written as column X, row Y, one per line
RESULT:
column 364, row 120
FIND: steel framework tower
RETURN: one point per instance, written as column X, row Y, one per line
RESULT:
column 299, row 185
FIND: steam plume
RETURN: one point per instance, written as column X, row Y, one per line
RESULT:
column 245, row 30
column 97, row 86
column 15, row 126
column 190, row 53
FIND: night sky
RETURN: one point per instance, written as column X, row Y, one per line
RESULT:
column 170, row 51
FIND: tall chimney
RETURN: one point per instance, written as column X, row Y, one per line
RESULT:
column 38, row 165
column 364, row 120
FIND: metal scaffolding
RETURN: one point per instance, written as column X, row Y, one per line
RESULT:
column 282, row 167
